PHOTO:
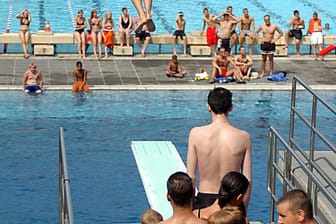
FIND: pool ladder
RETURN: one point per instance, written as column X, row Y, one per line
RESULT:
column 311, row 170
column 65, row 203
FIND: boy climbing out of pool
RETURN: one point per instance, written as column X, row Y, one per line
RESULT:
column 80, row 77
column 145, row 15
column 32, row 80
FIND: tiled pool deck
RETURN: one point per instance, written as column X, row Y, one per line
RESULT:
column 148, row 73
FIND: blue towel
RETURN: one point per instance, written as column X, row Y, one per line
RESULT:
column 281, row 76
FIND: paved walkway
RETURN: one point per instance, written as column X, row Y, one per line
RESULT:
column 149, row 73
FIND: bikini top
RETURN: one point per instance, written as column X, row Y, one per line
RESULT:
column 24, row 22
column 79, row 24
column 94, row 23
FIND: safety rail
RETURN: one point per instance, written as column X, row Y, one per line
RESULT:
column 299, row 168
column 65, row 203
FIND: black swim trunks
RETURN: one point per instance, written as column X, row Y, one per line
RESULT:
column 203, row 200
column 179, row 33
column 226, row 44
column 267, row 48
column 296, row 33
column 142, row 35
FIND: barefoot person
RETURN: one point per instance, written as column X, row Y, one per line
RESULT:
column 216, row 149
column 125, row 27
column 96, row 34
column 179, row 32
column 145, row 15
column 298, row 24
column 315, row 34
column 142, row 36
column 32, row 80
column 80, row 25
column 24, row 33
column 244, row 62
column 175, row 68
column 211, row 32
column 267, row 41
column 108, row 34
column 80, row 77
column 246, row 28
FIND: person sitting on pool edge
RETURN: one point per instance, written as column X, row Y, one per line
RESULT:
column 175, row 68
column 80, row 77
column 32, row 80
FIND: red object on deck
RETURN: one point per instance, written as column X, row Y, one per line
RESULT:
column 328, row 49
column 5, row 45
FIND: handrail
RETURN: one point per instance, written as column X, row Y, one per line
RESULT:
column 65, row 204
column 305, row 161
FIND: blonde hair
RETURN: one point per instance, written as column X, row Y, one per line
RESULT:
column 32, row 65
column 151, row 216
column 228, row 215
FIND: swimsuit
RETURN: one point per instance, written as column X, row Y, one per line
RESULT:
column 125, row 24
column 204, row 200
column 179, row 33
column 80, row 31
column 211, row 35
column 296, row 33
column 75, row 87
column 226, row 44
column 142, row 35
column 24, row 31
column 32, row 88
column 267, row 48
column 247, row 32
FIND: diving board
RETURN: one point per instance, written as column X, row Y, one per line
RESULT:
column 156, row 161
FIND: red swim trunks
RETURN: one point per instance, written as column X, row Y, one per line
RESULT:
column 211, row 35
column 224, row 71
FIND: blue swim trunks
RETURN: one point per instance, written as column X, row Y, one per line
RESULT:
column 33, row 88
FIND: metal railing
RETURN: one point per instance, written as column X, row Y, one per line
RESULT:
column 293, row 152
column 65, row 204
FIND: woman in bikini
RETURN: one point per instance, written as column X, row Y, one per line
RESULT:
column 80, row 25
column 97, row 37
column 108, row 34
column 24, row 34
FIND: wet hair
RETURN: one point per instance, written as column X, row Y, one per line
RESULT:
column 298, row 200
column 296, row 11
column 228, row 215
column 150, row 216
column 79, row 63
column 220, row 100
column 180, row 189
column 232, row 185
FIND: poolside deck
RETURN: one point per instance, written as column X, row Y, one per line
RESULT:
column 147, row 73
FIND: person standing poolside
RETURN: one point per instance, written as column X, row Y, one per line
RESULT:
column 125, row 27
column 315, row 34
column 180, row 23
column 145, row 15
column 211, row 32
column 246, row 28
column 267, row 41
column 80, row 25
column 218, row 148
column 142, row 35
column 80, row 78
column 298, row 24
column 108, row 34
column 295, row 207
column 180, row 195
column 96, row 34
column 175, row 68
column 234, row 35
column 24, row 33
column 220, row 66
column 32, row 80
column 244, row 62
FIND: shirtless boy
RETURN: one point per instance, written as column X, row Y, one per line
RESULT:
column 234, row 35
column 226, row 25
column 175, row 68
column 246, row 28
column 32, row 80
column 298, row 24
column 220, row 66
column 80, row 77
column 218, row 148
column 267, row 41
column 244, row 62
column 179, row 32
column 211, row 32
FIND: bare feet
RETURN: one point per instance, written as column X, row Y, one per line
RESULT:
column 143, row 53
column 262, row 75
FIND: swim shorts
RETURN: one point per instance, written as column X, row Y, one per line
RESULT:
column 179, row 33
column 316, row 38
column 33, row 88
column 247, row 32
column 211, row 35
column 296, row 33
column 226, row 44
column 267, row 48
column 142, row 35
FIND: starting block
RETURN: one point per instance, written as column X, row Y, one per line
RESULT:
column 122, row 51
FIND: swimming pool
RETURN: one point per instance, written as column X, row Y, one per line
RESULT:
column 105, row 184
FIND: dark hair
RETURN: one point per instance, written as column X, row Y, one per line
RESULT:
column 296, row 11
column 245, row 9
column 79, row 63
column 242, row 46
column 232, row 185
column 205, row 9
column 220, row 100
column 229, row 7
column 267, row 16
column 298, row 200
column 315, row 13
column 124, row 8
column 174, row 57
column 180, row 189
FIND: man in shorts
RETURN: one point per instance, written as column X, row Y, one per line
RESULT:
column 32, row 80
column 315, row 33
column 298, row 24
column 211, row 32
column 226, row 24
column 143, row 35
column 244, row 62
column 267, row 41
column 179, row 32
column 246, row 28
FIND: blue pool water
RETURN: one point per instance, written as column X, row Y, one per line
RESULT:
column 105, row 184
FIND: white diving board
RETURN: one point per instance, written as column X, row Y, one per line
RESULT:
column 156, row 161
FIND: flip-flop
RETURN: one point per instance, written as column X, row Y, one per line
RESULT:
column 150, row 25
